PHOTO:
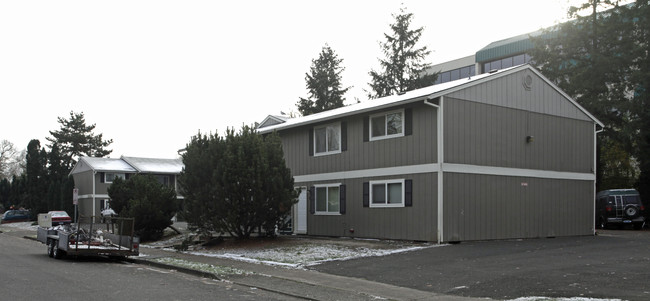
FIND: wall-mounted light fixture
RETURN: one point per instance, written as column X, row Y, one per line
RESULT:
column 530, row 139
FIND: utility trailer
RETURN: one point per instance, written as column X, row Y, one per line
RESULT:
column 114, row 238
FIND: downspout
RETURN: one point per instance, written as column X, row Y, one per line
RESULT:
column 94, row 193
column 440, row 144
column 596, row 131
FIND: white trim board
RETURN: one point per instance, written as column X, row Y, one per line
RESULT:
column 85, row 196
column 517, row 172
column 363, row 173
column 446, row 167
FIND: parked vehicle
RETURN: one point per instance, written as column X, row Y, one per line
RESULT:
column 14, row 216
column 115, row 239
column 619, row 207
column 60, row 217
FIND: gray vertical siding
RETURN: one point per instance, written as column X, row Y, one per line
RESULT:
column 418, row 148
column 478, row 207
column 489, row 135
column 418, row 222
column 83, row 182
column 485, row 125
column 509, row 91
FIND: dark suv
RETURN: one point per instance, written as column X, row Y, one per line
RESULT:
column 619, row 207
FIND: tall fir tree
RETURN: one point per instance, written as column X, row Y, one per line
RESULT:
column 404, row 66
column 76, row 139
column 324, row 84
column 590, row 58
column 640, row 81
column 5, row 193
column 36, row 177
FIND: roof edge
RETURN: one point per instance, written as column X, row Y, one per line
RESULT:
column 481, row 78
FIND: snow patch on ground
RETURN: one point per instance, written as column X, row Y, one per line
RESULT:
column 21, row 226
column 204, row 267
column 561, row 299
column 306, row 255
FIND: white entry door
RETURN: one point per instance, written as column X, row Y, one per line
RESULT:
column 301, row 214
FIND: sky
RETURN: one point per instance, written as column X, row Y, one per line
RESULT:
column 152, row 74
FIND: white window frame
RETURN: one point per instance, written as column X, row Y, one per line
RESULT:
column 116, row 175
column 386, row 135
column 327, row 186
column 385, row 183
column 326, row 152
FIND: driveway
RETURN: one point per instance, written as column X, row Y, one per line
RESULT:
column 614, row 264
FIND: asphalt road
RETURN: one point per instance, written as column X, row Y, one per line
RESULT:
column 615, row 264
column 27, row 273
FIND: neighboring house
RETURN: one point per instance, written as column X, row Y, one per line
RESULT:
column 499, row 155
column 93, row 176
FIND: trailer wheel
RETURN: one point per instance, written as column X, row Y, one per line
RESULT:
column 50, row 251
column 56, row 253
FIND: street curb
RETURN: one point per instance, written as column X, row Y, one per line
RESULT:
column 173, row 267
column 211, row 276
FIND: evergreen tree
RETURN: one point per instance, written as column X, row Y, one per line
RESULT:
column 18, row 194
column 76, row 139
column 590, row 58
column 36, row 177
column 238, row 183
column 640, row 83
column 151, row 204
column 5, row 192
column 403, row 68
column 323, row 84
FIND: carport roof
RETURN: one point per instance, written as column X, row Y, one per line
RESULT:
column 154, row 165
column 129, row 165
column 101, row 164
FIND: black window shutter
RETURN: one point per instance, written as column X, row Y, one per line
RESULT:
column 366, row 194
column 366, row 129
column 312, row 200
column 344, row 136
column 408, row 121
column 101, row 177
column 408, row 193
column 342, row 199
column 311, row 141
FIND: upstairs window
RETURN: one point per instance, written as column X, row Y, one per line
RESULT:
column 163, row 179
column 110, row 177
column 327, row 139
column 387, row 125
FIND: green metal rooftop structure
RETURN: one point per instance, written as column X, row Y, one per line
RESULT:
column 506, row 47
